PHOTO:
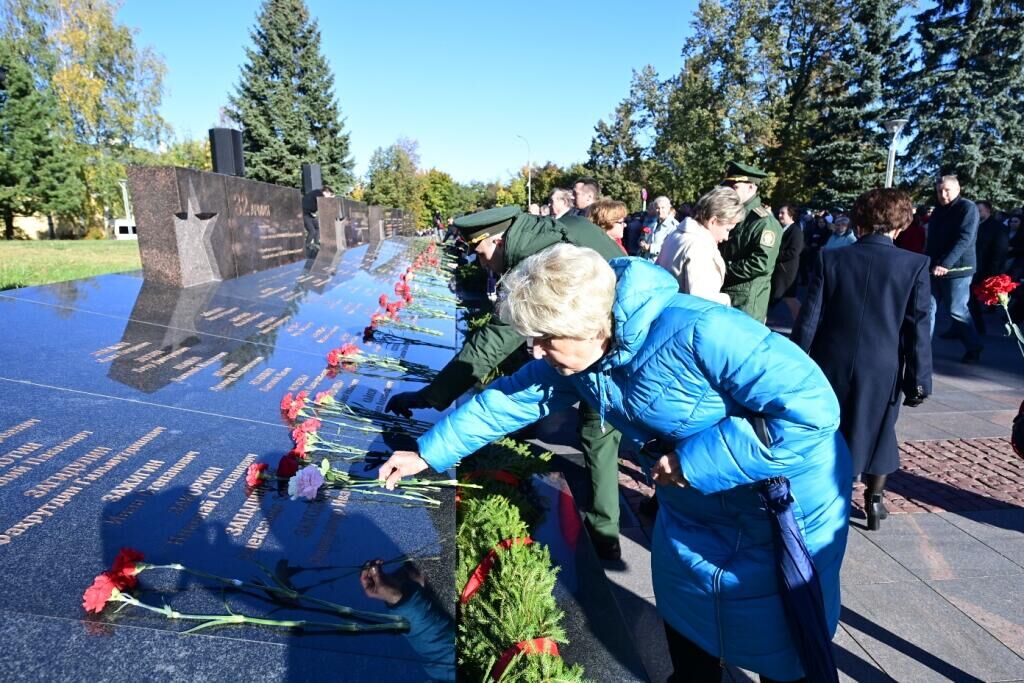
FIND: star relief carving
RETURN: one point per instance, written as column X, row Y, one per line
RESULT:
column 193, row 230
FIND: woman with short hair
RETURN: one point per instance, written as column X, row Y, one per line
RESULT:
column 865, row 322
column 610, row 216
column 691, row 253
column 722, row 407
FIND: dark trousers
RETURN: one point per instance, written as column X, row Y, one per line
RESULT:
column 312, row 226
column 691, row 664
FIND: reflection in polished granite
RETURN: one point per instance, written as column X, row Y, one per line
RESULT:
column 597, row 636
column 226, row 348
column 128, row 414
column 90, row 475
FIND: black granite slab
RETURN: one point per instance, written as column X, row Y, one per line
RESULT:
column 129, row 412
column 82, row 476
column 598, row 638
column 357, row 227
column 228, row 348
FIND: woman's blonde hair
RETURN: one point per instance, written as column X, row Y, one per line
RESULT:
column 564, row 291
column 723, row 203
column 605, row 213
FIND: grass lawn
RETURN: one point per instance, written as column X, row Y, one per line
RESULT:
column 26, row 263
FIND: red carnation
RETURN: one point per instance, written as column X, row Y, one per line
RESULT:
column 99, row 593
column 288, row 465
column 995, row 290
column 125, row 567
column 383, row 300
column 393, row 308
column 322, row 397
column 647, row 231
column 254, row 475
column 401, row 288
column 300, row 443
column 332, row 362
column 408, row 298
column 349, row 349
column 287, row 400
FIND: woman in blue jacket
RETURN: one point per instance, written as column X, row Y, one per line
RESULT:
column 693, row 376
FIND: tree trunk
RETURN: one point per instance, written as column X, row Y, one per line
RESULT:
column 50, row 231
column 8, row 224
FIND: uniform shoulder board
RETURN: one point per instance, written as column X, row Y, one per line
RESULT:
column 763, row 211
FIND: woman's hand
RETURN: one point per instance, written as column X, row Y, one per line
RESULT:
column 400, row 464
column 666, row 472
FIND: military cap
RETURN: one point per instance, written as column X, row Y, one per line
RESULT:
column 736, row 172
column 478, row 226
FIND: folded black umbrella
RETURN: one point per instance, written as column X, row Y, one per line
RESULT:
column 798, row 585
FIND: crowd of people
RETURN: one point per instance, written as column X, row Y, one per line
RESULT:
column 753, row 440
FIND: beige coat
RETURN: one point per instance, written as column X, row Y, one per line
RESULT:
column 691, row 255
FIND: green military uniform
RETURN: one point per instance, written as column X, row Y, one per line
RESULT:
column 525, row 235
column 751, row 250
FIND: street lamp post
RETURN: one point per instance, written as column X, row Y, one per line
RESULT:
column 529, row 174
column 894, row 127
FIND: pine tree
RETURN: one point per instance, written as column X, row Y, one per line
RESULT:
column 285, row 101
column 966, row 97
column 35, row 175
column 859, row 92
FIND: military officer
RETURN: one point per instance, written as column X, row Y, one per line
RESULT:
column 752, row 247
column 501, row 239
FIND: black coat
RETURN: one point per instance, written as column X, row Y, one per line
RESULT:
column 992, row 247
column 952, row 235
column 787, row 266
column 865, row 322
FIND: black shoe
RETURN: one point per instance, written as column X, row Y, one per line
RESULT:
column 971, row 357
column 874, row 508
column 649, row 506
column 607, row 548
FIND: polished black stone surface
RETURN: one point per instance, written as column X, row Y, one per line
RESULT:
column 598, row 638
column 129, row 413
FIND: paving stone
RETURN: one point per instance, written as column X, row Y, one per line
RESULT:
column 989, row 526
column 634, row 572
column 865, row 563
column 993, row 602
column 963, row 424
column 952, row 555
column 916, row 635
column 853, row 661
column 648, row 632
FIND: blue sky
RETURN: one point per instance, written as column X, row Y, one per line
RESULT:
column 463, row 78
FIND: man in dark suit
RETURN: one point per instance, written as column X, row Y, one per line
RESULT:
column 992, row 247
column 787, row 266
column 952, row 234
column 866, row 323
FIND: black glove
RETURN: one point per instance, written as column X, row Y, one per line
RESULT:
column 403, row 404
column 914, row 398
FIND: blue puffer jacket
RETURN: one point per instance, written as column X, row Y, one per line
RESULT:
column 692, row 372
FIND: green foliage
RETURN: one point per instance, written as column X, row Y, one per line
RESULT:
column 26, row 263
column 105, row 93
column 516, row 601
column 965, row 97
column 440, row 194
column 29, row 152
column 392, row 179
column 285, row 101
